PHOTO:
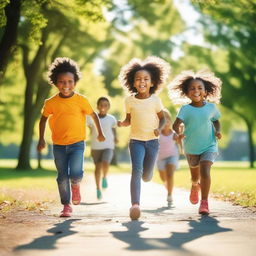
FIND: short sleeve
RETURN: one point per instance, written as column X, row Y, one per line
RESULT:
column 89, row 121
column 47, row 110
column 181, row 113
column 159, row 105
column 87, row 108
column 114, row 122
column 216, row 114
column 127, row 103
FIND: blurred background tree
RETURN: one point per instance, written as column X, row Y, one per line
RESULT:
column 102, row 36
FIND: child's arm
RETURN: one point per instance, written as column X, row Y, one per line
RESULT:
column 115, row 135
column 41, row 142
column 126, row 122
column 161, row 123
column 96, row 120
column 216, row 125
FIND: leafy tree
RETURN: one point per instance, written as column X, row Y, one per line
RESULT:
column 233, row 29
column 54, row 41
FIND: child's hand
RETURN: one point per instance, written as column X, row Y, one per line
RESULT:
column 101, row 137
column 218, row 135
column 181, row 136
column 123, row 123
column 40, row 145
column 156, row 132
column 119, row 123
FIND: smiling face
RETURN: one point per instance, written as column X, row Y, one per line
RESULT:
column 66, row 84
column 143, row 82
column 196, row 91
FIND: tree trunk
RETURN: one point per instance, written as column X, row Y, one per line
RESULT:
column 251, row 144
column 9, row 38
column 24, row 153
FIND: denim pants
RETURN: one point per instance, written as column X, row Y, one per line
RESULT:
column 143, row 157
column 69, row 161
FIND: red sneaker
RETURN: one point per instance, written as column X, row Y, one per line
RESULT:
column 194, row 198
column 67, row 210
column 76, row 197
column 135, row 212
column 204, row 209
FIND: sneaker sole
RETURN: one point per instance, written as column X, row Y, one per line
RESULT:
column 204, row 213
column 65, row 215
column 76, row 202
column 135, row 214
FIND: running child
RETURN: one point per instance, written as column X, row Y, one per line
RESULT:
column 102, row 152
column 144, row 112
column 202, row 126
column 67, row 112
column 168, row 155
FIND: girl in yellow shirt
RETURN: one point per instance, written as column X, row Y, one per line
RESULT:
column 144, row 112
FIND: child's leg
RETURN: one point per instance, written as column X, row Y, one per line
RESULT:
column 97, row 174
column 61, row 162
column 206, row 161
column 205, row 180
column 76, row 161
column 137, row 152
column 152, row 147
column 106, row 159
column 193, row 161
column 162, row 174
column 97, row 159
column 161, row 169
column 170, row 168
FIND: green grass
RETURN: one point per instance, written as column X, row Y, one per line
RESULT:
column 230, row 181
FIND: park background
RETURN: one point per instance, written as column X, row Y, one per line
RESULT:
column 102, row 36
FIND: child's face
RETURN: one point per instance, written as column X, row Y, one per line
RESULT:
column 103, row 107
column 196, row 91
column 142, row 81
column 66, row 83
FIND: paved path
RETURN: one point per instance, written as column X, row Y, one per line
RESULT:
column 104, row 228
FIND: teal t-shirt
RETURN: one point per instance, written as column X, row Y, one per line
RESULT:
column 199, row 129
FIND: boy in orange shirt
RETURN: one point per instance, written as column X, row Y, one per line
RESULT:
column 67, row 112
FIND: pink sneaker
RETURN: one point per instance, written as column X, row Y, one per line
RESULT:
column 194, row 198
column 204, row 209
column 135, row 212
column 76, row 197
column 66, row 212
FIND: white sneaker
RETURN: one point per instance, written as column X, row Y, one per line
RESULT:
column 169, row 199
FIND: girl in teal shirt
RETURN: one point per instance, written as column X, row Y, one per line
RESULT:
column 202, row 126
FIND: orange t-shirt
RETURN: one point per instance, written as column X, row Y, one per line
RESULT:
column 67, row 118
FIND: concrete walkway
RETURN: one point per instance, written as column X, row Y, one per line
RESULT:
column 104, row 228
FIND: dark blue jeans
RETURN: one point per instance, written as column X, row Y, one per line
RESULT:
column 143, row 157
column 69, row 161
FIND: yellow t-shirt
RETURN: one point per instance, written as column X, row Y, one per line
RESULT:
column 144, row 119
column 67, row 118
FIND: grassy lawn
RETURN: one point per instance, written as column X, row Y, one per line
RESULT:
column 230, row 181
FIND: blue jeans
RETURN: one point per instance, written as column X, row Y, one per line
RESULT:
column 143, row 157
column 69, row 161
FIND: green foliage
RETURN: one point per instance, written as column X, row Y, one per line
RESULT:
column 3, row 4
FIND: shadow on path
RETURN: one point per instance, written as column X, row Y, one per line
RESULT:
column 97, row 203
column 48, row 242
column 205, row 226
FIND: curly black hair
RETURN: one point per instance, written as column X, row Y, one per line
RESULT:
column 156, row 67
column 180, row 84
column 102, row 99
column 62, row 65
